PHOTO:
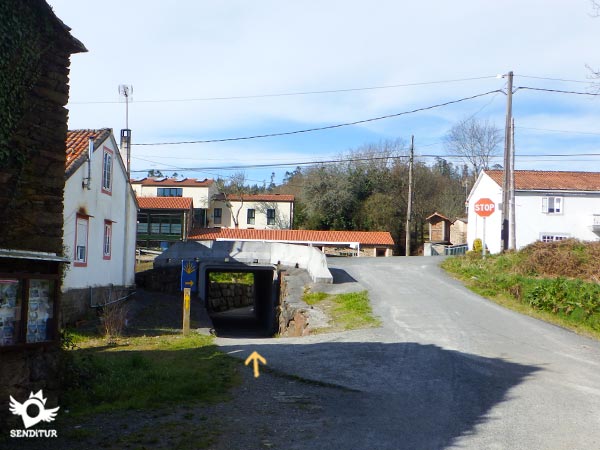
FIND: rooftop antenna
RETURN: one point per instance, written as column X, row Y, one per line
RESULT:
column 126, row 91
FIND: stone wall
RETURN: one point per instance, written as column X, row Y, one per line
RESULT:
column 225, row 296
column 293, row 314
column 78, row 304
column 163, row 279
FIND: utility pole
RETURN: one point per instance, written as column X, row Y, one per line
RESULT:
column 507, row 164
column 410, row 189
column 511, row 215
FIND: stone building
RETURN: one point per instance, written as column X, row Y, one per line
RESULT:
column 33, row 129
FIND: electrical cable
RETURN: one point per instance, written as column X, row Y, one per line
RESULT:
column 289, row 94
column 329, row 127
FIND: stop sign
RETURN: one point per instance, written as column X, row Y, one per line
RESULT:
column 485, row 207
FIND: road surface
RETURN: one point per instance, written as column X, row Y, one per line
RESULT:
column 447, row 370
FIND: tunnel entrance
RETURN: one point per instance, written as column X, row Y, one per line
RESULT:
column 240, row 299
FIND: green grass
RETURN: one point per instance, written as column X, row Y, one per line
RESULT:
column 505, row 279
column 232, row 277
column 347, row 311
column 146, row 373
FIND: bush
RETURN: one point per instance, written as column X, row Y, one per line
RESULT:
column 477, row 246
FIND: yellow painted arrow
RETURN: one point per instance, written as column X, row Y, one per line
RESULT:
column 189, row 283
column 255, row 358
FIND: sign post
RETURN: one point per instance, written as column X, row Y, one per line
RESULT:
column 186, row 310
column 189, row 277
column 484, row 207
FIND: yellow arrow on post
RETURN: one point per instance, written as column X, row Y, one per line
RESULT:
column 255, row 358
column 189, row 283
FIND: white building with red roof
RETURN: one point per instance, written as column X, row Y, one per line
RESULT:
column 100, row 212
column 549, row 206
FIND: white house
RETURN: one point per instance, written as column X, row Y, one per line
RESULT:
column 100, row 211
column 549, row 206
column 200, row 191
column 260, row 211
column 212, row 209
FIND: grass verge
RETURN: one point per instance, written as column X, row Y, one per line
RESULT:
column 507, row 280
column 145, row 373
column 347, row 311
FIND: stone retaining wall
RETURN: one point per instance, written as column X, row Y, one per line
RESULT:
column 224, row 296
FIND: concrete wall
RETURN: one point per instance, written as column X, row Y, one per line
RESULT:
column 309, row 258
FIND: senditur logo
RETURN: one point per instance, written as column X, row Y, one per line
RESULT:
column 37, row 401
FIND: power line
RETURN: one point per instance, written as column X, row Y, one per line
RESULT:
column 555, row 79
column 558, row 91
column 290, row 94
column 347, row 160
column 560, row 131
column 329, row 127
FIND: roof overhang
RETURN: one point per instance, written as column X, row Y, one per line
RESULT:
column 26, row 254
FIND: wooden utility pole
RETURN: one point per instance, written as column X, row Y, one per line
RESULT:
column 410, row 189
column 507, row 164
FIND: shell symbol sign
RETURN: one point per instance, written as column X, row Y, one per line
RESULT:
column 189, row 275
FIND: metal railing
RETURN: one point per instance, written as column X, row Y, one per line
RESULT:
column 454, row 250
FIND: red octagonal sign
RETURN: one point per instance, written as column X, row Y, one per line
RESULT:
column 485, row 207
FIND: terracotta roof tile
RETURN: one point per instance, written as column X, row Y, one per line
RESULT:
column 363, row 237
column 540, row 180
column 77, row 146
column 180, row 203
column 259, row 198
column 173, row 182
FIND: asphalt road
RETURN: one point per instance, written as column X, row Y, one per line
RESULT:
column 447, row 370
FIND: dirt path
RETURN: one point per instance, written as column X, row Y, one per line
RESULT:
column 273, row 411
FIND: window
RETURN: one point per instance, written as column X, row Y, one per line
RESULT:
column 81, row 241
column 200, row 217
column 217, row 216
column 553, row 237
column 169, row 192
column 251, row 217
column 270, row 217
column 107, row 163
column 552, row 205
column 107, row 241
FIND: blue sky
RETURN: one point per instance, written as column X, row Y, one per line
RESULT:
column 186, row 50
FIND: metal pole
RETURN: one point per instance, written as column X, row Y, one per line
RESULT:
column 507, row 163
column 410, row 182
column 483, row 240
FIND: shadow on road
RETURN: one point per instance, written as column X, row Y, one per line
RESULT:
column 409, row 396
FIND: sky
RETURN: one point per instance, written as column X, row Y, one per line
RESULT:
column 204, row 70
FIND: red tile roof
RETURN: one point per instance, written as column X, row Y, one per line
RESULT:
column 173, row 182
column 363, row 237
column 77, row 146
column 179, row 203
column 258, row 198
column 540, row 180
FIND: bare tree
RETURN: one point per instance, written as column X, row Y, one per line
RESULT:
column 233, row 190
column 476, row 142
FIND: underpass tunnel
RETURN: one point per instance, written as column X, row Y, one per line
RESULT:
column 240, row 299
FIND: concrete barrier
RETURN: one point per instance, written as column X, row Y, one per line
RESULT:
column 252, row 252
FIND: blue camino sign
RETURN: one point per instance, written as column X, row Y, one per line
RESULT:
column 189, row 275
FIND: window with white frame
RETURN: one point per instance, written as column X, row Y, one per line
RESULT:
column 81, row 241
column 552, row 205
column 107, row 166
column 251, row 217
column 107, row 241
column 552, row 237
column 270, row 217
